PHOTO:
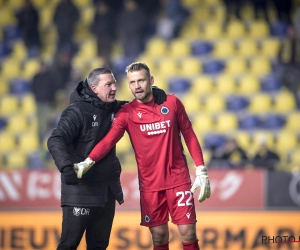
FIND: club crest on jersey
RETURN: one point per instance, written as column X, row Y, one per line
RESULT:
column 164, row 110
column 147, row 219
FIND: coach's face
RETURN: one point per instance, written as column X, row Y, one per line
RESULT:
column 140, row 85
column 106, row 88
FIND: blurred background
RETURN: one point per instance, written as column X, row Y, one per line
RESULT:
column 235, row 64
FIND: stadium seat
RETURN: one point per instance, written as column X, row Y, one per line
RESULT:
column 7, row 142
column 179, row 48
column 212, row 30
column 190, row 67
column 273, row 121
column 213, row 140
column 249, row 122
column 3, row 123
column 16, row 160
column 236, row 103
column 203, row 123
column 7, row 16
column 279, row 28
column 9, row 104
column 214, row 103
column 160, row 82
column 11, row 33
column 4, row 86
column 286, row 141
column 167, row 67
column 284, row 102
column 191, row 31
column 247, row 47
column 213, row 66
column 10, row 68
column 17, row 123
column 199, row 47
column 259, row 29
column 223, row 48
column 225, row 84
column 19, row 86
column 28, row 142
column 203, row 84
column 260, row 66
column 28, row 104
column 192, row 103
column 270, row 83
column 19, row 51
column 248, row 84
column 5, row 49
column 243, row 139
column 156, row 47
column 236, row 66
column 226, row 122
column 270, row 47
column 30, row 69
column 46, row 13
column 235, row 29
column 179, row 85
column 295, row 157
column 260, row 103
column 293, row 121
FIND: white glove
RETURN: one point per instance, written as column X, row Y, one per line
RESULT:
column 82, row 167
column 201, row 181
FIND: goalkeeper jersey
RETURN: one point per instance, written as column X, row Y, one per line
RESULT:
column 155, row 133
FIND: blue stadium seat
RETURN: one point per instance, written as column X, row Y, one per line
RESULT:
column 11, row 33
column 236, row 103
column 270, row 83
column 279, row 28
column 3, row 123
column 199, row 48
column 273, row 121
column 19, row 86
column 179, row 85
column 249, row 122
column 213, row 66
column 5, row 50
column 213, row 140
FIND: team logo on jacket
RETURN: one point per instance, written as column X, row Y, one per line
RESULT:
column 77, row 211
column 94, row 123
column 112, row 116
column 164, row 110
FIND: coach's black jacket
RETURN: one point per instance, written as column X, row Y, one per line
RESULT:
column 82, row 125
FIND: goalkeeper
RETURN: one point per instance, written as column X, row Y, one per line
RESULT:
column 164, row 180
column 88, row 204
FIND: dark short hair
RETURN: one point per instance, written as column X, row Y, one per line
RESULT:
column 137, row 66
column 93, row 77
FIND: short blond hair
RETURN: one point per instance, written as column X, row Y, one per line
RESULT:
column 137, row 66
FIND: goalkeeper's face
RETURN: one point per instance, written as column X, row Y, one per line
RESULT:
column 140, row 85
column 106, row 88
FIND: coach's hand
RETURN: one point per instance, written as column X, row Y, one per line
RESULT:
column 70, row 175
column 82, row 167
column 201, row 181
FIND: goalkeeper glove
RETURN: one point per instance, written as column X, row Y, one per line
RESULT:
column 201, row 181
column 82, row 167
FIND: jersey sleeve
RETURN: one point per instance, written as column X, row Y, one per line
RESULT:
column 112, row 137
column 189, row 135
